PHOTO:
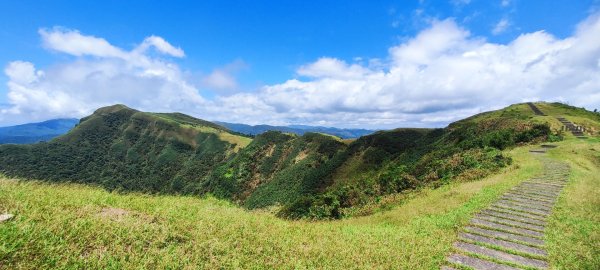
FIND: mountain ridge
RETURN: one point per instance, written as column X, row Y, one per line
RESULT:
column 311, row 175
column 35, row 132
column 253, row 130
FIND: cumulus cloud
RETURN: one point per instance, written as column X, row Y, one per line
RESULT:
column 100, row 75
column 442, row 74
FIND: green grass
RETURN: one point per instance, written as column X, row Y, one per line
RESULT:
column 573, row 232
column 68, row 226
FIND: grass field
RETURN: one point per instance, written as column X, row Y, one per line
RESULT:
column 69, row 226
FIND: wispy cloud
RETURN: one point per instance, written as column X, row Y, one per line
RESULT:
column 501, row 26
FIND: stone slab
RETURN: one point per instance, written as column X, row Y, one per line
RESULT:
column 501, row 255
column 517, row 213
column 505, row 236
column 477, row 264
column 503, row 244
column 506, row 216
column 511, row 222
column 507, row 228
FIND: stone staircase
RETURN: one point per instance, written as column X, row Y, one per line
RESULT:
column 510, row 233
column 578, row 131
column 535, row 109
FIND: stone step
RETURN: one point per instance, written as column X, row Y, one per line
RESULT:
column 524, row 204
column 501, row 227
column 517, row 213
column 545, row 185
column 532, row 196
column 503, row 244
column 518, row 208
column 506, row 236
column 539, row 189
column 533, row 193
column 526, row 197
column 500, row 255
column 511, row 222
column 558, row 185
column 513, row 217
column 527, row 201
column 477, row 264
column 536, row 193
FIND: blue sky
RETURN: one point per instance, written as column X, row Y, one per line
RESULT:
column 238, row 52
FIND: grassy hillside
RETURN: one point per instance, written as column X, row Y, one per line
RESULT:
column 310, row 176
column 67, row 226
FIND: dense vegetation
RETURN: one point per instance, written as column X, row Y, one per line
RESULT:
column 120, row 148
column 313, row 175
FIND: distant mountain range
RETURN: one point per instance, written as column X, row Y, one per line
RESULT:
column 296, row 129
column 36, row 132
column 48, row 130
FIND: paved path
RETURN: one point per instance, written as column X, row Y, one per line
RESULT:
column 510, row 233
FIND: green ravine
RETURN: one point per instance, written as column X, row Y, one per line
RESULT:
column 312, row 176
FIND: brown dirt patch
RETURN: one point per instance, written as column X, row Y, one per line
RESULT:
column 114, row 213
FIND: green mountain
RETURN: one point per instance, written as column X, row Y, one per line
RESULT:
column 313, row 175
column 36, row 132
column 121, row 148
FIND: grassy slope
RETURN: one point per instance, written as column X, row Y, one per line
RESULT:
column 573, row 234
column 64, row 226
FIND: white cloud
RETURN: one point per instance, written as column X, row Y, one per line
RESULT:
column 220, row 80
column 161, row 45
column 72, row 42
column 100, row 75
column 501, row 26
column 442, row 74
column 223, row 79
column 334, row 68
column 505, row 3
